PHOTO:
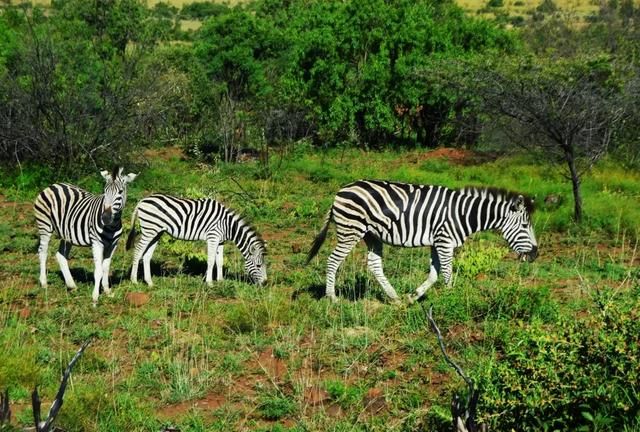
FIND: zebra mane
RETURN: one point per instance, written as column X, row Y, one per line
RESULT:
column 498, row 194
column 256, row 234
column 115, row 172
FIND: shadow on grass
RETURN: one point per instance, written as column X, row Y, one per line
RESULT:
column 352, row 291
column 190, row 267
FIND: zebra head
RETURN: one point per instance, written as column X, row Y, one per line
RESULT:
column 255, row 263
column 115, row 193
column 517, row 228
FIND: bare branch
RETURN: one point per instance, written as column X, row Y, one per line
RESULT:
column 45, row 425
column 463, row 415
column 5, row 411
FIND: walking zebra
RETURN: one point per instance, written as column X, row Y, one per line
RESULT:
column 194, row 219
column 410, row 215
column 81, row 218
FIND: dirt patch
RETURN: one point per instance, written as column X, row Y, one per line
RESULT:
column 316, row 396
column 374, row 401
column 24, row 313
column 464, row 333
column 274, row 367
column 393, row 360
column 334, row 410
column 455, row 156
column 208, row 403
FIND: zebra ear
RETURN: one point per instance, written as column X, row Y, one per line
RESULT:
column 130, row 177
column 106, row 175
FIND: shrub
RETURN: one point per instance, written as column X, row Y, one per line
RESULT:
column 578, row 374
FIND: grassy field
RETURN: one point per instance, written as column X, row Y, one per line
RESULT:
column 281, row 357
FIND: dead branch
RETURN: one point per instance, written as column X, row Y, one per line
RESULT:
column 5, row 411
column 45, row 426
column 463, row 415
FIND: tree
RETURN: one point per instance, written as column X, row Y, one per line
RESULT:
column 567, row 112
column 71, row 95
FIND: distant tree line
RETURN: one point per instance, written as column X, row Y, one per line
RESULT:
column 92, row 82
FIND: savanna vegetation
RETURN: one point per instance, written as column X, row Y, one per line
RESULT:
column 271, row 106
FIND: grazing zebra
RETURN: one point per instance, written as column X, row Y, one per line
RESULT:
column 409, row 215
column 81, row 218
column 194, row 219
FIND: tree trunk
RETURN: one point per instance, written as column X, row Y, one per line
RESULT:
column 575, row 180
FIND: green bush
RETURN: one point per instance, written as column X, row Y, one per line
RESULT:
column 577, row 374
column 477, row 258
column 274, row 407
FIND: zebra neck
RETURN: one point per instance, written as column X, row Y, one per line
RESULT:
column 481, row 214
column 237, row 231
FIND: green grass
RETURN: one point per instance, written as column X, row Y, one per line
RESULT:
column 238, row 357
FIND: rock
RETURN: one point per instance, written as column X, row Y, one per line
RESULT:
column 137, row 299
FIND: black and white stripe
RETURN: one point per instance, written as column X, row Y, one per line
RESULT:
column 194, row 219
column 81, row 218
column 410, row 215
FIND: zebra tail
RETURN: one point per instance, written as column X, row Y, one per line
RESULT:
column 320, row 238
column 132, row 234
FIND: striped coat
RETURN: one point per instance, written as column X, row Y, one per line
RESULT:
column 408, row 215
column 81, row 218
column 194, row 219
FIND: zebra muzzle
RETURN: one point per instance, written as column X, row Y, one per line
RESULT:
column 529, row 256
column 107, row 217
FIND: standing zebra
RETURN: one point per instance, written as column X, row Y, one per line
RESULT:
column 194, row 219
column 81, row 218
column 409, row 215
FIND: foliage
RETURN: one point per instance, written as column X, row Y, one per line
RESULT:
column 200, row 10
column 479, row 258
column 580, row 374
column 566, row 112
column 77, row 87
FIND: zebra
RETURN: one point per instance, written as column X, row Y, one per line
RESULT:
column 410, row 215
column 81, row 218
column 194, row 219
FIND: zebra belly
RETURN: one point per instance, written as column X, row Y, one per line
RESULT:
column 401, row 237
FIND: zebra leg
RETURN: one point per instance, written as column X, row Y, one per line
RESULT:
column 42, row 255
column 63, row 260
column 433, row 276
column 336, row 258
column 374, row 261
column 212, row 250
column 219, row 262
column 106, row 264
column 146, row 261
column 98, row 250
column 138, row 252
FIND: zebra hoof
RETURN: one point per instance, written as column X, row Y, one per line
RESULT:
column 412, row 298
column 110, row 293
column 333, row 299
column 71, row 288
